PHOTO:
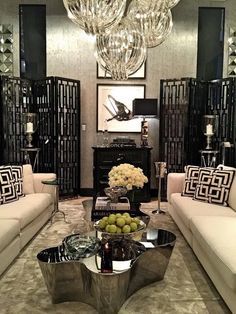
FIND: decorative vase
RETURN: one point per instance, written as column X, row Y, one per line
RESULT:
column 131, row 195
column 115, row 192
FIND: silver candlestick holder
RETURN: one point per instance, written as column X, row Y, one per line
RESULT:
column 30, row 126
column 209, row 128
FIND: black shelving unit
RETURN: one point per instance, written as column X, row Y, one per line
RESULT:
column 104, row 158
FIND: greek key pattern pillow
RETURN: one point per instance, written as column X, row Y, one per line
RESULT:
column 214, row 186
column 7, row 187
column 191, row 180
column 17, row 173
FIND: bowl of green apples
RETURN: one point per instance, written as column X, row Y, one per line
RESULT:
column 120, row 225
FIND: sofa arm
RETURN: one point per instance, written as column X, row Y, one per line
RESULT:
column 175, row 183
column 39, row 187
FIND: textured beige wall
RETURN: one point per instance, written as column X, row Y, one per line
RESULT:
column 70, row 53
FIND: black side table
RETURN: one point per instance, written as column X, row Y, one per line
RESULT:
column 208, row 158
column 31, row 156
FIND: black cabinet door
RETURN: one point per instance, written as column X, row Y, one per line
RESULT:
column 105, row 158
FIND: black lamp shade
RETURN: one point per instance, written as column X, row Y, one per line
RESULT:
column 145, row 107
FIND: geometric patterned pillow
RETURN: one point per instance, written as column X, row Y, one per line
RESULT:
column 17, row 172
column 191, row 180
column 214, row 186
column 7, row 187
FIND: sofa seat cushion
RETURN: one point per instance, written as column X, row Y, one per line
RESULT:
column 26, row 209
column 9, row 229
column 187, row 208
column 217, row 237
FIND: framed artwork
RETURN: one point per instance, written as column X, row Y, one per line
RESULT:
column 138, row 75
column 114, row 107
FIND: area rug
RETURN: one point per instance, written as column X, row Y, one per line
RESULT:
column 185, row 289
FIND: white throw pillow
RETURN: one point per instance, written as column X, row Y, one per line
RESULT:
column 7, row 187
column 214, row 186
column 232, row 192
column 28, row 181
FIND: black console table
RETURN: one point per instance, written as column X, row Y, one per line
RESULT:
column 104, row 158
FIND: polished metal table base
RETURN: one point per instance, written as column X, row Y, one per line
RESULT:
column 75, row 280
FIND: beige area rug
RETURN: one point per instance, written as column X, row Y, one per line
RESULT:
column 185, row 288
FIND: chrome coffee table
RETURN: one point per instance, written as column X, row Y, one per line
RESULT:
column 81, row 280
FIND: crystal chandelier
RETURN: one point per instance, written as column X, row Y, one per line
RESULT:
column 95, row 17
column 123, row 29
column 121, row 51
column 172, row 3
column 154, row 19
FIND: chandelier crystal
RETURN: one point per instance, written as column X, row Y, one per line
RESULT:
column 95, row 16
column 172, row 3
column 154, row 19
column 122, row 51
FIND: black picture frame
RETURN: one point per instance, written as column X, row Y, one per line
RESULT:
column 121, row 94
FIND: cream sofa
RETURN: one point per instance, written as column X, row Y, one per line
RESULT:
column 210, row 230
column 22, row 219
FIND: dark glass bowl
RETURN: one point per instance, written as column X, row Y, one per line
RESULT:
column 81, row 246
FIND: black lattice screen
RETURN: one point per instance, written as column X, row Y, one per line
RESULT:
column 180, row 111
column 182, row 105
column 16, row 97
column 57, row 102
column 67, row 96
column 222, row 102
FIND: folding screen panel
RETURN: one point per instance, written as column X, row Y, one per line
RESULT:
column 57, row 104
column 16, row 97
column 222, row 102
column 182, row 106
column 58, row 107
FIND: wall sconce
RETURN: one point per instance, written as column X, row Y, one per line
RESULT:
column 30, row 126
column 209, row 128
column 144, row 108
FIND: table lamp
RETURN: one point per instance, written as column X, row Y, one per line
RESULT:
column 144, row 108
column 30, row 126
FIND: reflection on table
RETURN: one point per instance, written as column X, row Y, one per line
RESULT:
column 70, row 279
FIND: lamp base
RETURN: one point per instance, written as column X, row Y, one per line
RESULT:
column 144, row 133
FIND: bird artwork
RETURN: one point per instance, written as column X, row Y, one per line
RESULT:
column 118, row 110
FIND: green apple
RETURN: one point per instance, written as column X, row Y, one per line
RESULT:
column 120, row 221
column 118, row 230
column 126, row 229
column 111, row 220
column 133, row 226
column 102, row 224
column 127, row 220
column 112, row 229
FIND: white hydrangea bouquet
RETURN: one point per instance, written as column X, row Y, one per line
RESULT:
column 128, row 176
